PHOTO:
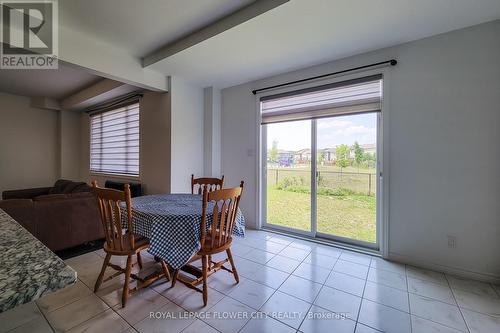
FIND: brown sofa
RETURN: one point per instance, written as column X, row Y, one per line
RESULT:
column 61, row 216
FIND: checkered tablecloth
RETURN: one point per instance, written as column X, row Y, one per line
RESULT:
column 172, row 224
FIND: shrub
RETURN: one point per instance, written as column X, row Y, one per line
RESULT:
column 289, row 182
column 298, row 185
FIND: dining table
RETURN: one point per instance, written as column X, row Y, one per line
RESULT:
column 172, row 223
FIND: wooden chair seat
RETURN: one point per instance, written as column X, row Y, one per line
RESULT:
column 210, row 249
column 140, row 243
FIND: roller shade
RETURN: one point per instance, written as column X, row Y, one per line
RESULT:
column 353, row 96
column 114, row 141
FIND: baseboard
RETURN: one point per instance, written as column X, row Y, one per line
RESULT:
column 480, row 276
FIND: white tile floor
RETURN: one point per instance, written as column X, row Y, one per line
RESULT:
column 287, row 285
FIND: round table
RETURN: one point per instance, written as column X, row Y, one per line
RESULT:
column 172, row 224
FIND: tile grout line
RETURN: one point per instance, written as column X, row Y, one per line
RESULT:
column 458, row 306
column 435, row 300
column 362, row 296
column 275, row 290
column 366, row 280
column 494, row 286
column 315, row 298
column 408, row 296
column 43, row 315
column 289, row 275
column 323, row 285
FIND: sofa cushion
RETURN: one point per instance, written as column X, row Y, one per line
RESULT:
column 81, row 187
column 68, row 186
column 51, row 197
column 80, row 195
column 59, row 186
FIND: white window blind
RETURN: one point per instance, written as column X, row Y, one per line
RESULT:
column 114, row 141
column 353, row 96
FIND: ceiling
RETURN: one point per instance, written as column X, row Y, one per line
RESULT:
column 297, row 34
column 140, row 27
column 54, row 83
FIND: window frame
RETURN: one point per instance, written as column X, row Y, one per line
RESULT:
column 116, row 174
column 383, row 153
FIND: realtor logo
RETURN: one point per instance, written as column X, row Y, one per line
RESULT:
column 29, row 34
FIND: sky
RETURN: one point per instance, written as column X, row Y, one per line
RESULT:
column 334, row 131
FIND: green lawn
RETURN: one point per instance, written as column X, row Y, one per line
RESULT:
column 351, row 216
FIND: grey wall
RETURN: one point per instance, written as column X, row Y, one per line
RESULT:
column 155, row 142
column 69, row 144
column 187, row 107
column 29, row 150
column 444, row 117
column 155, row 159
column 211, row 133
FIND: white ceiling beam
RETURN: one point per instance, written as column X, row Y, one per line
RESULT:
column 96, row 93
column 97, row 57
column 230, row 21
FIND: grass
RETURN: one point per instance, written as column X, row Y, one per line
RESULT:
column 351, row 215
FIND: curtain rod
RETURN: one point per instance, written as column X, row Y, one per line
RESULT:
column 392, row 62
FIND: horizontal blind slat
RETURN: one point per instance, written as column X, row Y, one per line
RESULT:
column 323, row 102
column 114, row 141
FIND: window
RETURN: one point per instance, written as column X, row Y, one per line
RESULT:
column 320, row 173
column 114, row 141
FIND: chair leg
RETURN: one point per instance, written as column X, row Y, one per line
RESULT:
column 103, row 269
column 165, row 270
column 128, row 270
column 204, row 269
column 139, row 260
column 175, row 277
column 209, row 261
column 233, row 267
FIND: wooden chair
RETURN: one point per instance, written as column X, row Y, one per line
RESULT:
column 209, row 184
column 214, row 239
column 120, row 241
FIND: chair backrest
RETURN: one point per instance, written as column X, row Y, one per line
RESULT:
column 109, row 202
column 225, row 208
column 200, row 185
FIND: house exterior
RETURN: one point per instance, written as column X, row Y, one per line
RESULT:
column 370, row 148
column 302, row 156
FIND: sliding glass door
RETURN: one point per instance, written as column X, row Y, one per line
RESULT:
column 288, row 164
column 347, row 177
column 320, row 173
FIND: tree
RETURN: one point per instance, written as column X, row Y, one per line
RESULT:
column 342, row 157
column 273, row 153
column 321, row 157
column 358, row 154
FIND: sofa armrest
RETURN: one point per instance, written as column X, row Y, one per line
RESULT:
column 28, row 193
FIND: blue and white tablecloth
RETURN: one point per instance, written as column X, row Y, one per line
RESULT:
column 172, row 224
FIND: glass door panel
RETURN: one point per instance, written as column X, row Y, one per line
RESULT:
column 347, row 177
column 288, row 162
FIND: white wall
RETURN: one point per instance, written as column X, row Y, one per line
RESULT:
column 187, row 108
column 212, row 134
column 29, row 154
column 444, row 104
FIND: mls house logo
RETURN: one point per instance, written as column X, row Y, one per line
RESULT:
column 29, row 34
